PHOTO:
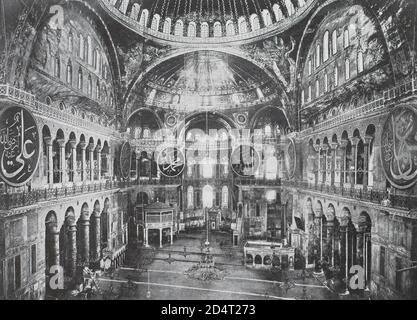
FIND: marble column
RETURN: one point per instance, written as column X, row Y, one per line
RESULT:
column 98, row 150
column 326, row 172
column 62, row 161
column 319, row 176
column 83, row 147
column 333, row 148
column 367, row 142
column 91, row 152
column 160, row 237
column 355, row 141
column 72, row 249
column 172, row 236
column 343, row 145
column 73, row 145
column 319, row 227
column 96, row 250
column 52, row 243
column 48, row 143
column 85, row 239
column 330, row 241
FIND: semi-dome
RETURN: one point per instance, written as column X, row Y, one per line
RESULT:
column 206, row 78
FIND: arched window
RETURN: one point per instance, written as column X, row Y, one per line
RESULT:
column 347, row 69
column 80, row 79
column 268, row 131
column 191, row 30
column 326, row 82
column 217, row 29
column 123, row 6
column 70, row 42
column 346, row 39
column 318, row 56
column 96, row 60
column 155, row 22
column 167, row 26
column 309, row 93
column 179, row 28
column 81, row 47
column 146, row 133
column 134, row 14
column 230, row 28
column 254, row 22
column 260, row 93
column 97, row 90
column 334, row 42
column 336, row 76
column 90, row 86
column 69, row 73
column 266, row 16
column 277, row 12
column 243, row 26
column 57, row 67
column 326, row 46
column 89, row 51
column 144, row 18
column 317, row 88
column 360, row 61
column 204, row 33
column 190, row 197
column 225, row 197
column 309, row 67
column 290, row 7
column 302, row 96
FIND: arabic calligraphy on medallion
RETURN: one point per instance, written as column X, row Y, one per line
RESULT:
column 19, row 146
column 399, row 147
column 290, row 158
column 125, row 160
column 171, row 162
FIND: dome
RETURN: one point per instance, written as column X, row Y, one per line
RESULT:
column 205, row 21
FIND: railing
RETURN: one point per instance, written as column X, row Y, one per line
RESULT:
column 52, row 112
column 26, row 198
column 370, row 195
column 275, row 28
column 257, row 182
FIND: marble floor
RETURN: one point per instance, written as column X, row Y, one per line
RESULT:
column 160, row 274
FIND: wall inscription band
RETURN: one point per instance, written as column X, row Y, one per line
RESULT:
column 399, row 147
column 19, row 146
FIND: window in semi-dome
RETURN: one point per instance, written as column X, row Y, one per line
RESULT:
column 204, row 30
column 326, row 46
column 167, row 26
column 334, row 42
column 134, row 13
column 179, row 28
column 144, row 18
column 217, row 29
column 155, row 22
column 191, row 30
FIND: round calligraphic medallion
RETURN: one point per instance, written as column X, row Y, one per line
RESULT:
column 125, row 160
column 290, row 158
column 399, row 147
column 171, row 161
column 245, row 160
column 19, row 146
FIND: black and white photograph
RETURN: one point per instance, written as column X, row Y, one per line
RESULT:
column 208, row 150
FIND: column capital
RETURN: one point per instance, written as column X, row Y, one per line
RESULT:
column 368, row 139
column 334, row 146
column 343, row 143
column 355, row 141
column 61, row 143
column 316, row 147
column 73, row 144
column 48, row 141
column 325, row 146
column 99, row 148
column 91, row 147
column 83, row 145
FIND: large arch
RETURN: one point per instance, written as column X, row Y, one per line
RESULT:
column 140, row 75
